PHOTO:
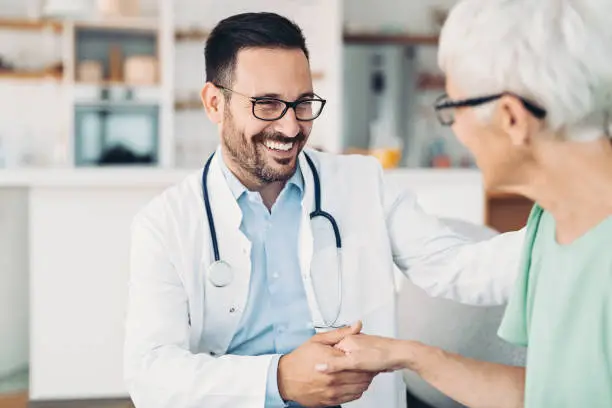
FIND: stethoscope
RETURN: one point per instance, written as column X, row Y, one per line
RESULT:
column 220, row 273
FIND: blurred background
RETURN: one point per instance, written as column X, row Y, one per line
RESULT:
column 99, row 112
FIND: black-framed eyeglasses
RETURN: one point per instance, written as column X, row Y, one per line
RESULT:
column 270, row 109
column 445, row 107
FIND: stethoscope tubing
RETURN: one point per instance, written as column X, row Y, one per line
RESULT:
column 318, row 212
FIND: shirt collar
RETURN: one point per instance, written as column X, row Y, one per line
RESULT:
column 237, row 188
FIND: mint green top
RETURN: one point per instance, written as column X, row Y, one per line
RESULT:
column 561, row 309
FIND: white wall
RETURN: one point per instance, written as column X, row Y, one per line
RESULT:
column 14, row 306
column 30, row 129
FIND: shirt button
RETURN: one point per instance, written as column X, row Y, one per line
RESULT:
column 232, row 309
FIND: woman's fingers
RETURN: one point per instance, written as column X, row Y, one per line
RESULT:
column 349, row 362
column 332, row 337
column 361, row 353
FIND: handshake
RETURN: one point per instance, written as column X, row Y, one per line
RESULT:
column 336, row 367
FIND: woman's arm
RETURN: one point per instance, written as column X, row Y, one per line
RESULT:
column 471, row 382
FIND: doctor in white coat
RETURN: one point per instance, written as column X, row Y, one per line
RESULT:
column 242, row 273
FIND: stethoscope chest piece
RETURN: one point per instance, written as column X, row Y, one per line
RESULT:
column 220, row 274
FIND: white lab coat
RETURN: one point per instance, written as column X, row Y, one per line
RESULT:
column 179, row 326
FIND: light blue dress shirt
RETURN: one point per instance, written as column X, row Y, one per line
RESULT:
column 277, row 318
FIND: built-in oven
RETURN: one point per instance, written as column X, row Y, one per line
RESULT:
column 116, row 126
column 116, row 135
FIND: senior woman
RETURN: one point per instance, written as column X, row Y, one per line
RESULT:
column 530, row 93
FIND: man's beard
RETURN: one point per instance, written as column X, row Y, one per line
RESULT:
column 251, row 157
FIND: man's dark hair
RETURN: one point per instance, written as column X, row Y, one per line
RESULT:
column 247, row 30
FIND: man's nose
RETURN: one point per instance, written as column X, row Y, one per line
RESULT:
column 288, row 124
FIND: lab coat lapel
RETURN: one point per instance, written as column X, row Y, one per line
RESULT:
column 226, row 304
column 225, row 208
column 306, row 243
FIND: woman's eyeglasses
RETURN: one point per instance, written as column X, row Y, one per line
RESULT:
column 445, row 107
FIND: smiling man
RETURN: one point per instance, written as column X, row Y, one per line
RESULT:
column 244, row 274
column 262, row 153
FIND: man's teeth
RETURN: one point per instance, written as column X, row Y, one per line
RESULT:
column 278, row 146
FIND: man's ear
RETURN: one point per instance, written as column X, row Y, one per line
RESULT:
column 514, row 120
column 213, row 102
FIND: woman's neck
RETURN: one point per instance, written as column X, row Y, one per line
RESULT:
column 572, row 181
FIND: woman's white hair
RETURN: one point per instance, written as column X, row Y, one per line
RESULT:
column 557, row 53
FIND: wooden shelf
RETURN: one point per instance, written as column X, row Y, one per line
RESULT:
column 109, row 83
column 14, row 400
column 29, row 75
column 195, row 104
column 506, row 211
column 123, row 24
column 317, row 75
column 195, row 34
column 402, row 39
column 431, row 82
column 25, row 24
column 191, row 34
column 120, row 24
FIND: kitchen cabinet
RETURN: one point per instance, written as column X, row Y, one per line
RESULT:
column 506, row 212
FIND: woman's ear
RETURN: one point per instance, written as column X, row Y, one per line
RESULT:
column 213, row 102
column 514, row 120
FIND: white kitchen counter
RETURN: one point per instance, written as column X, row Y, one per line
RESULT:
column 434, row 187
column 94, row 177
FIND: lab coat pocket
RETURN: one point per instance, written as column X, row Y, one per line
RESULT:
column 335, row 276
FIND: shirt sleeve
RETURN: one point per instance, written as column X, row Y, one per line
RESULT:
column 442, row 261
column 273, row 398
column 514, row 327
